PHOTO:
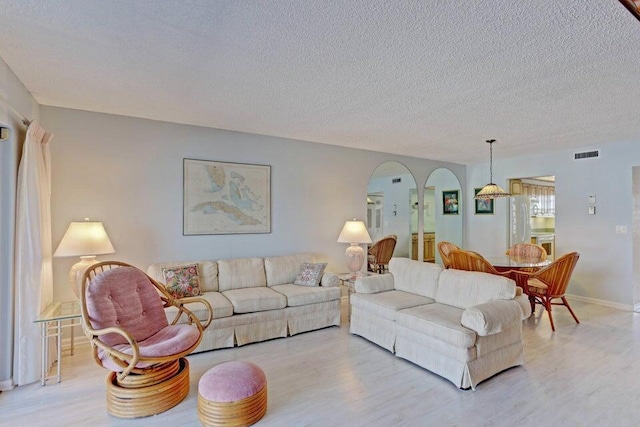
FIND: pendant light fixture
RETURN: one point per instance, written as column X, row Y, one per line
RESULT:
column 491, row 190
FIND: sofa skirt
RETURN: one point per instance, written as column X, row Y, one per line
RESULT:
column 373, row 327
column 310, row 317
column 219, row 334
column 464, row 374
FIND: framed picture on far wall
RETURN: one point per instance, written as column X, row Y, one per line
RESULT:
column 483, row 206
column 450, row 202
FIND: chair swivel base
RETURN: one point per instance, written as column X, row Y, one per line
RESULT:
column 149, row 394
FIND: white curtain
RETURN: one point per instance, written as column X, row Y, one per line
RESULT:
column 33, row 283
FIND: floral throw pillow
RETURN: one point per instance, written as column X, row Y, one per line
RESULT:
column 310, row 274
column 182, row 281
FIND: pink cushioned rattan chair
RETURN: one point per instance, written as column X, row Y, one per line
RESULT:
column 123, row 315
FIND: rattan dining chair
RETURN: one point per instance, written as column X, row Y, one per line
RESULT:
column 528, row 251
column 380, row 253
column 550, row 283
column 445, row 248
column 123, row 315
column 473, row 261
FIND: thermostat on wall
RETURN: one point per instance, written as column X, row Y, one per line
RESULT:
column 592, row 210
column 592, row 199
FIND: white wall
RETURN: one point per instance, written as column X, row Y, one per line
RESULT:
column 21, row 100
column 605, row 269
column 127, row 173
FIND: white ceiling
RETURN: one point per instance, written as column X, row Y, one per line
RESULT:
column 431, row 79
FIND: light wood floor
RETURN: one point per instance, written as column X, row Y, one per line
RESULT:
column 581, row 375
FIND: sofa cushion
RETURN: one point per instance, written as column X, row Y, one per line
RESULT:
column 221, row 307
column 420, row 278
column 439, row 321
column 250, row 300
column 310, row 274
column 303, row 295
column 464, row 289
column 241, row 273
column 207, row 272
column 282, row 270
column 386, row 304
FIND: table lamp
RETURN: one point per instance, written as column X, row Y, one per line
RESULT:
column 84, row 239
column 354, row 232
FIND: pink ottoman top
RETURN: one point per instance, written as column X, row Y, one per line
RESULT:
column 231, row 381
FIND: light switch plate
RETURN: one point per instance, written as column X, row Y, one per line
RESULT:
column 592, row 210
column 4, row 134
column 592, row 199
column 621, row 229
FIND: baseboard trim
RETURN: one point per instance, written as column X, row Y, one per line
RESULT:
column 81, row 341
column 625, row 307
column 6, row 385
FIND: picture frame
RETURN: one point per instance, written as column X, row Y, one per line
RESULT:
column 483, row 206
column 450, row 202
column 225, row 198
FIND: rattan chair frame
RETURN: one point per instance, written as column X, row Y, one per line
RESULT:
column 473, row 261
column 382, row 251
column 528, row 251
column 556, row 276
column 445, row 248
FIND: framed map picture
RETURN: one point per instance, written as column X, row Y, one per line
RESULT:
column 226, row 198
column 483, row 206
column 450, row 202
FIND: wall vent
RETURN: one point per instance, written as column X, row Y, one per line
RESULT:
column 586, row 155
column 396, row 180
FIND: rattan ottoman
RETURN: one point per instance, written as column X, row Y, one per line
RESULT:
column 232, row 394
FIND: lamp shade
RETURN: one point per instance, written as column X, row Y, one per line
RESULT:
column 84, row 238
column 354, row 232
column 491, row 191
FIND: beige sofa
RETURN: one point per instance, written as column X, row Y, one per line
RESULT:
column 254, row 299
column 464, row 326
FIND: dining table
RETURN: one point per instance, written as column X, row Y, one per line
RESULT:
column 504, row 263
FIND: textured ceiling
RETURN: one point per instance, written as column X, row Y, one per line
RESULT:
column 430, row 79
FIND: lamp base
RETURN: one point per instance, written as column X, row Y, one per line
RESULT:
column 355, row 258
column 77, row 272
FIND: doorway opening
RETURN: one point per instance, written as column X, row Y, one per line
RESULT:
column 532, row 213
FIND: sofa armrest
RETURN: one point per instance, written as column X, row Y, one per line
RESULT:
column 329, row 279
column 492, row 317
column 523, row 301
column 374, row 284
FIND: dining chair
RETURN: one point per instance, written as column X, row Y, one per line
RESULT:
column 527, row 251
column 445, row 248
column 123, row 315
column 473, row 261
column 550, row 283
column 380, row 253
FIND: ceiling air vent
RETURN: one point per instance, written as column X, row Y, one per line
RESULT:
column 586, row 155
column 396, row 180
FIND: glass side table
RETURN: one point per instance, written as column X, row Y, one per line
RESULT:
column 56, row 316
column 348, row 280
